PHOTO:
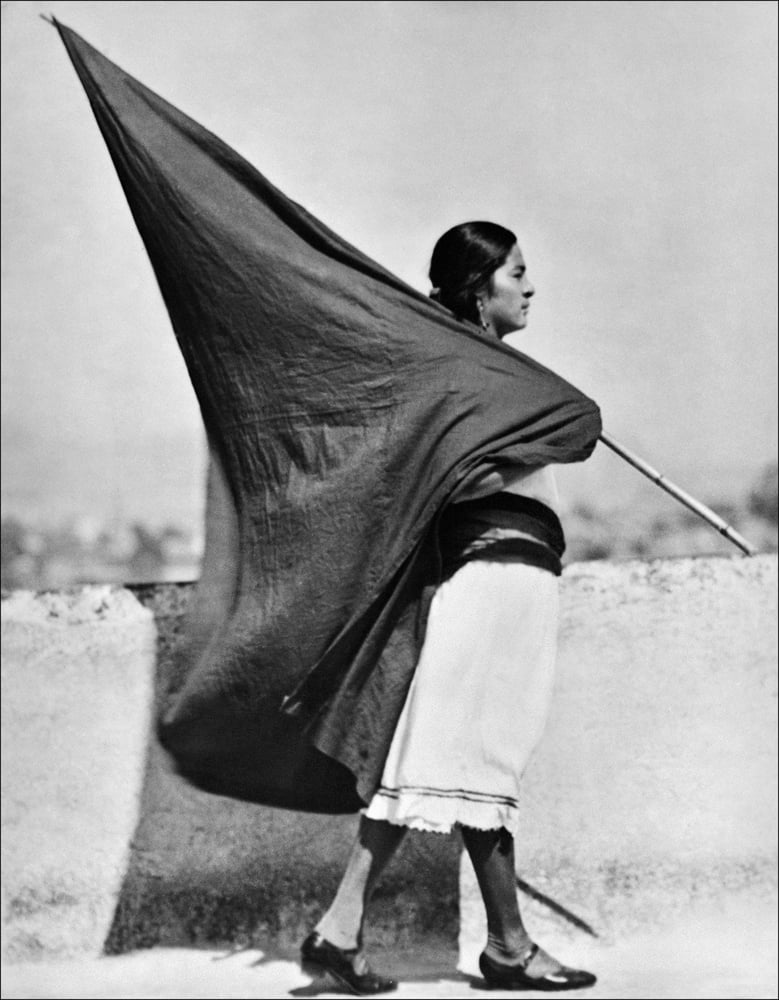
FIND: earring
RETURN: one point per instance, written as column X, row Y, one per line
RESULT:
column 484, row 324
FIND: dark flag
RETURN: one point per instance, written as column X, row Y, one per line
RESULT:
column 343, row 410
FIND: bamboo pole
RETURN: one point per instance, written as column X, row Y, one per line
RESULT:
column 679, row 494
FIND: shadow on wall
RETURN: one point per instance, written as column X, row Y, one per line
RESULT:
column 204, row 869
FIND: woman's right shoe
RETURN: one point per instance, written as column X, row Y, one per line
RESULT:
column 321, row 956
column 515, row 977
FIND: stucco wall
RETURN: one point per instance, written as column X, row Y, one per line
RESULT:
column 655, row 783
column 77, row 677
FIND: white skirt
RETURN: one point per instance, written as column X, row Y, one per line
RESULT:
column 478, row 702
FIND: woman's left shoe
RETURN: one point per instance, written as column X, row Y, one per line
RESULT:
column 515, row 977
column 317, row 951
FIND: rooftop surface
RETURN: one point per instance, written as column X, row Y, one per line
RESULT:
column 728, row 953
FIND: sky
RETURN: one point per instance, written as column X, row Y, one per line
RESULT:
column 631, row 146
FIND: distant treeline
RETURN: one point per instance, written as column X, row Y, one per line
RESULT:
column 83, row 551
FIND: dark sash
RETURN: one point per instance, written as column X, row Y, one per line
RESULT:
column 503, row 526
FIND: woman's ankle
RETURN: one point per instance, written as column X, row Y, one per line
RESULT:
column 342, row 938
column 509, row 947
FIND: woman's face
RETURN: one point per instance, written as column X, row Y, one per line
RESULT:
column 506, row 300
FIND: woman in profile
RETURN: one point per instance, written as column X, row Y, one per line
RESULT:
column 479, row 698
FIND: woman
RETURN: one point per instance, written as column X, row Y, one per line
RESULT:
column 492, row 628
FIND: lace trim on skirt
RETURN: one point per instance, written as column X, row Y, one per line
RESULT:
column 440, row 810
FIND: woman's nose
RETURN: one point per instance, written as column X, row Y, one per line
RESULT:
column 529, row 290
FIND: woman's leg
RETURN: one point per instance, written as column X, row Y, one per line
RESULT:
column 376, row 842
column 492, row 855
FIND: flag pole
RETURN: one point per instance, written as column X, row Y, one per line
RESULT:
column 679, row 494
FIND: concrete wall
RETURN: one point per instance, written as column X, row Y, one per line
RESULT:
column 655, row 785
column 77, row 678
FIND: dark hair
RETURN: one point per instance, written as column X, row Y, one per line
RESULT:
column 463, row 261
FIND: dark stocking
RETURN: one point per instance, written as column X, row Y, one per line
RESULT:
column 492, row 855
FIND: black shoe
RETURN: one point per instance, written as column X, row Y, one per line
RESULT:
column 515, row 977
column 316, row 951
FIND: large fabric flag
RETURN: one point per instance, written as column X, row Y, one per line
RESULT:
column 344, row 410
